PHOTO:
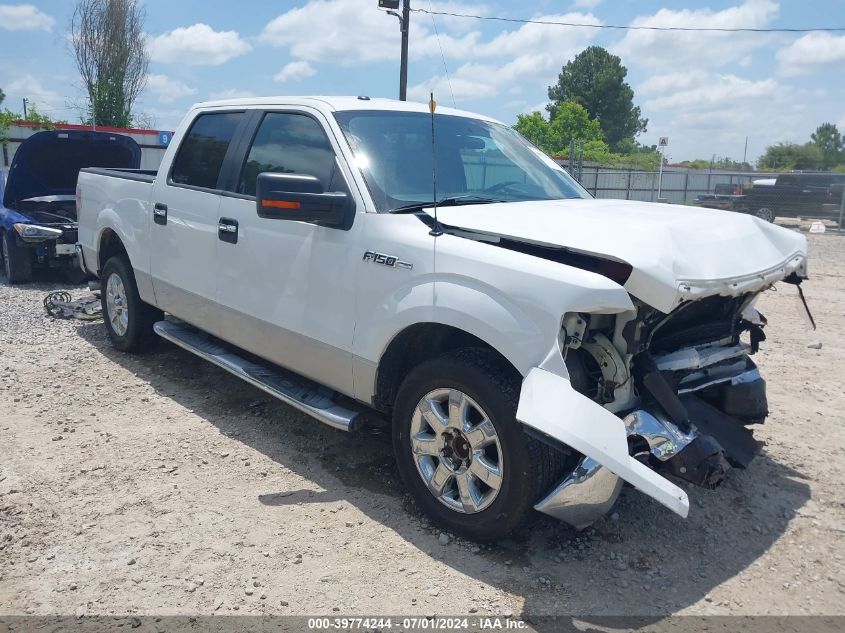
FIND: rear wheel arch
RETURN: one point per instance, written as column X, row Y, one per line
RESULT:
column 109, row 245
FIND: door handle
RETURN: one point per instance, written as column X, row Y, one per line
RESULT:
column 227, row 230
column 160, row 213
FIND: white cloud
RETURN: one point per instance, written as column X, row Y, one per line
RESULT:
column 526, row 57
column 197, row 45
column 345, row 32
column 24, row 17
column 697, row 49
column 230, row 93
column 586, row 4
column 294, row 71
column 168, row 90
column 706, row 112
column 701, row 90
column 337, row 30
column 29, row 87
column 812, row 51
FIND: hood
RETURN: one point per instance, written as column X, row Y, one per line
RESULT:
column 48, row 163
column 676, row 252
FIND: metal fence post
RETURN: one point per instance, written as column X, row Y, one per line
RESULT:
column 842, row 207
column 686, row 186
column 628, row 187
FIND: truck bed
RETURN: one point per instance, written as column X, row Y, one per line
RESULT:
column 119, row 199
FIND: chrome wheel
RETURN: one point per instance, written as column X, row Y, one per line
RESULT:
column 765, row 214
column 456, row 450
column 117, row 305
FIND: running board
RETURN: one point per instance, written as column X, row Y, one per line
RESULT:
column 298, row 392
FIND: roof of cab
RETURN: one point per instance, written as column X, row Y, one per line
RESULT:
column 339, row 104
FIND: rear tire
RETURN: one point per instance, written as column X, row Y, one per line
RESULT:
column 520, row 467
column 17, row 260
column 129, row 321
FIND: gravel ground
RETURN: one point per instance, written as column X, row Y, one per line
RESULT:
column 158, row 484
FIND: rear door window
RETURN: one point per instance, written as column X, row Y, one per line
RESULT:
column 201, row 154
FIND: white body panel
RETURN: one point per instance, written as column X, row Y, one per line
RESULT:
column 303, row 296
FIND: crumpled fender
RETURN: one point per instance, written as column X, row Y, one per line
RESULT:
column 550, row 404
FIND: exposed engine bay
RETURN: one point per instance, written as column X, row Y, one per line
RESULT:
column 684, row 382
column 48, row 210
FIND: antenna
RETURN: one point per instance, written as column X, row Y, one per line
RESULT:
column 436, row 231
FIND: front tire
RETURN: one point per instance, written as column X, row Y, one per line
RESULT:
column 129, row 321
column 17, row 260
column 460, row 451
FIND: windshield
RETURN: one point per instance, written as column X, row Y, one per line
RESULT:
column 477, row 161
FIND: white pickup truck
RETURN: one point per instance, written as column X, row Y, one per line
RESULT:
column 532, row 347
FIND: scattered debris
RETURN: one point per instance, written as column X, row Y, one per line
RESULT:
column 60, row 305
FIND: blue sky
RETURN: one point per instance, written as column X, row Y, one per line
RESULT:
column 706, row 92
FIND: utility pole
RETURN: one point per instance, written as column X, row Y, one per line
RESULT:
column 404, row 27
column 25, row 102
column 403, row 70
column 745, row 153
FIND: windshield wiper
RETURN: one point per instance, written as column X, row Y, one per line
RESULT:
column 453, row 201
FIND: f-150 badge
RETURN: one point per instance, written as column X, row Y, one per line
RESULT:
column 386, row 260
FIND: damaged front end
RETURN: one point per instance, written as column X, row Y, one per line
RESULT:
column 683, row 384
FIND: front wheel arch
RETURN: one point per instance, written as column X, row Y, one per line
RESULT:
column 417, row 344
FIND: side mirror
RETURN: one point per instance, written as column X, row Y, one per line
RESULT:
column 301, row 198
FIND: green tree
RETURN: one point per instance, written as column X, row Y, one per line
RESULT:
column 829, row 140
column 2, row 96
column 788, row 156
column 571, row 123
column 535, row 128
column 110, row 47
column 33, row 116
column 596, row 80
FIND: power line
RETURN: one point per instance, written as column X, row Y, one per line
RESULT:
column 621, row 27
column 442, row 56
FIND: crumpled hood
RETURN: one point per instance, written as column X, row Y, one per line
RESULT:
column 677, row 252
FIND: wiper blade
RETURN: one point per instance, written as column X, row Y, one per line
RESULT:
column 452, row 201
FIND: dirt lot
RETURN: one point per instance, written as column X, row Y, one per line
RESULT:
column 158, row 484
